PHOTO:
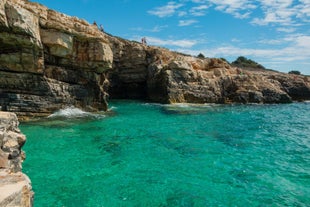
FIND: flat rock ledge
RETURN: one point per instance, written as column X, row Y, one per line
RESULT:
column 15, row 187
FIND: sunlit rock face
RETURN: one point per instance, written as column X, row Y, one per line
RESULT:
column 160, row 75
column 15, row 187
column 49, row 60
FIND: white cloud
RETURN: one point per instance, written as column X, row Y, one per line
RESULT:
column 199, row 10
column 182, row 13
column 238, row 8
column 184, row 43
column 275, row 12
column 199, row 1
column 296, row 50
column 183, row 23
column 158, row 28
column 303, row 41
column 167, row 10
column 235, row 40
column 283, row 12
column 272, row 41
column 286, row 29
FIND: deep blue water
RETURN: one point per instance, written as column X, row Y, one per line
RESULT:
column 141, row 154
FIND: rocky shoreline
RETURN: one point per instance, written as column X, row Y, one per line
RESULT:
column 49, row 61
column 15, row 187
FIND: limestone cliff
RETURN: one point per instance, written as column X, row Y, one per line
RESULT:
column 49, row 60
column 159, row 75
column 15, row 187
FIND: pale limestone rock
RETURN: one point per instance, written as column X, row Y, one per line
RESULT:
column 105, row 53
column 16, row 190
column 31, row 72
column 24, row 21
column 3, row 20
column 15, row 187
column 8, row 122
column 59, row 43
column 4, row 160
column 180, row 65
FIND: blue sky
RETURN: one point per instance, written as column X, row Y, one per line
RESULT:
column 275, row 33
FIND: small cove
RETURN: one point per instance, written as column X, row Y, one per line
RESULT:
column 142, row 154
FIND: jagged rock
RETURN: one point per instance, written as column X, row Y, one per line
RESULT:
column 15, row 187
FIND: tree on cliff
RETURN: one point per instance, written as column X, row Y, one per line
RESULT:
column 200, row 55
column 243, row 62
column 295, row 72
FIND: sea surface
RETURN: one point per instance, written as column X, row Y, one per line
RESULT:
column 151, row 155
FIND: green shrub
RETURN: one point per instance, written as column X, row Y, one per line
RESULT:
column 296, row 72
column 246, row 63
column 200, row 55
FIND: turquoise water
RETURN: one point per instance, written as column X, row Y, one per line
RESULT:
column 141, row 154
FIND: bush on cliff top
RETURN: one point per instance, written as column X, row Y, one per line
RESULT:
column 243, row 62
column 295, row 72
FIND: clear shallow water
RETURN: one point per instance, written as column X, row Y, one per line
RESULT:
column 153, row 155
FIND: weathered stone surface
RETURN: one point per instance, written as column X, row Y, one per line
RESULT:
column 60, row 44
column 16, row 190
column 49, row 60
column 22, row 21
column 128, row 77
column 168, row 77
column 3, row 20
column 15, row 187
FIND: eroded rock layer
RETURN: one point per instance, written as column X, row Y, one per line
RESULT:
column 159, row 75
column 49, row 60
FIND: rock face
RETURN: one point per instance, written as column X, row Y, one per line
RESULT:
column 159, row 75
column 15, row 187
column 49, row 60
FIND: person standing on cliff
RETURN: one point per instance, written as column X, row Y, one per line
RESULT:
column 143, row 40
column 101, row 28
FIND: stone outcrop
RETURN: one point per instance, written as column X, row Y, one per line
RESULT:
column 49, row 60
column 159, row 75
column 15, row 187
